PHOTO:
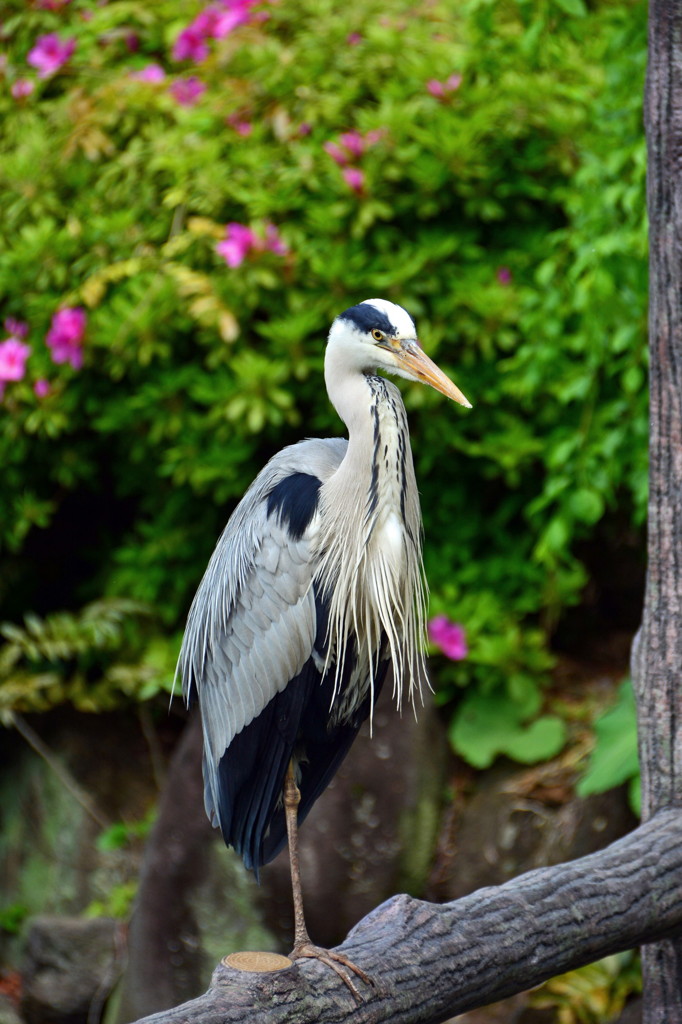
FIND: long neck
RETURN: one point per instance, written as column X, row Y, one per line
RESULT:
column 377, row 467
column 369, row 543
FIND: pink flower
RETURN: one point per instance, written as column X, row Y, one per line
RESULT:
column 65, row 336
column 50, row 53
column 441, row 90
column 149, row 73
column 274, row 241
column 336, row 153
column 352, row 145
column 354, row 178
column 238, row 14
column 436, row 88
column 241, row 127
column 215, row 22
column 354, row 142
column 449, row 636
column 190, row 45
column 353, row 38
column 238, row 242
column 504, row 275
column 305, row 128
column 17, row 328
column 13, row 356
column 51, row 5
column 21, row 88
column 187, row 91
column 42, row 387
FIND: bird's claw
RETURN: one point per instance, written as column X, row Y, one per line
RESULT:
column 332, row 959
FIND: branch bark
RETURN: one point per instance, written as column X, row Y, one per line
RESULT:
column 657, row 656
column 431, row 962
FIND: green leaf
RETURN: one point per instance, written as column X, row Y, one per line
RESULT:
column 575, row 7
column 487, row 725
column 614, row 759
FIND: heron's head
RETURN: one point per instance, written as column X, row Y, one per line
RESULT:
column 378, row 335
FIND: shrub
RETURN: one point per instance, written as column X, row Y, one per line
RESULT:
column 481, row 164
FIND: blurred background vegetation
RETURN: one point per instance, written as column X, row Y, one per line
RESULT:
column 501, row 200
column 481, row 163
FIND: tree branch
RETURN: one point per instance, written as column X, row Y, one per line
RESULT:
column 431, row 961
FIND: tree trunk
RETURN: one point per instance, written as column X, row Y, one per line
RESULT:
column 657, row 660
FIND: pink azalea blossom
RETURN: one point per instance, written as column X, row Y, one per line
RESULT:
column 65, row 336
column 504, row 275
column 13, row 356
column 237, row 14
column 190, row 45
column 336, row 153
column 354, row 178
column 354, row 142
column 215, row 22
column 42, row 387
column 21, row 88
column 449, row 636
column 238, row 242
column 50, row 53
column 441, row 90
column 149, row 73
column 274, row 241
column 436, row 88
column 352, row 145
column 17, row 328
column 240, row 126
column 187, row 91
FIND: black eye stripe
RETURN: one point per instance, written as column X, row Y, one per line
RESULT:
column 367, row 318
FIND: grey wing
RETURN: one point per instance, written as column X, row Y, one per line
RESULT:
column 252, row 624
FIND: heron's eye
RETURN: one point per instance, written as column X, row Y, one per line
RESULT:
column 377, row 334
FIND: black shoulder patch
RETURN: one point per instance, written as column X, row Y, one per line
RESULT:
column 366, row 317
column 294, row 501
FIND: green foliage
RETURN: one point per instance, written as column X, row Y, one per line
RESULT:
column 490, row 724
column 507, row 216
column 614, row 759
column 592, row 994
column 123, row 833
column 81, row 658
column 12, row 917
column 117, row 903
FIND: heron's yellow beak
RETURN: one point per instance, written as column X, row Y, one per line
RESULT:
column 416, row 362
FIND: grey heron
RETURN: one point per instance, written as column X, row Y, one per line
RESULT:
column 315, row 587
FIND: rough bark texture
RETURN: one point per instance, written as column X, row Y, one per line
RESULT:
column 657, row 660
column 431, row 962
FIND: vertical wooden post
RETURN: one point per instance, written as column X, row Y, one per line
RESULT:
column 657, row 656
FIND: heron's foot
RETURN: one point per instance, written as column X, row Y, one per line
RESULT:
column 333, row 960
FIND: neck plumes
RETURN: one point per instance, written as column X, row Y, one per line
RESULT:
column 369, row 541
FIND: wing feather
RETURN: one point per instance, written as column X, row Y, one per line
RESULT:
column 252, row 624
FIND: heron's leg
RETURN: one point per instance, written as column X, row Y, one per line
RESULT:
column 303, row 947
